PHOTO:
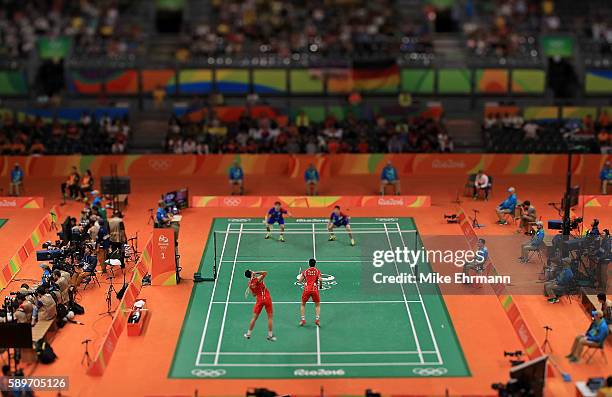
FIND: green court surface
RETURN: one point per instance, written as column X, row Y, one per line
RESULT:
column 3, row 221
column 367, row 330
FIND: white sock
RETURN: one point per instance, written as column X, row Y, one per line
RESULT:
column 248, row 332
column 269, row 333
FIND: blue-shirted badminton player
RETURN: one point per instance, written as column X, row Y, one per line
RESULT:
column 339, row 219
column 275, row 215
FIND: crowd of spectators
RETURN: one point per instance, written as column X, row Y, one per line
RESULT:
column 92, row 24
column 284, row 28
column 87, row 136
column 508, row 28
column 510, row 133
column 351, row 135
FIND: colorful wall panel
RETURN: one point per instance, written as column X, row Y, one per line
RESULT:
column 293, row 165
column 13, row 82
column 124, row 82
column 454, row 81
column 270, row 81
column 578, row 112
column 528, row 81
column 153, row 78
column 541, row 113
column 418, row 81
column 598, row 81
column 491, row 81
column 232, row 81
column 195, row 81
column 306, row 81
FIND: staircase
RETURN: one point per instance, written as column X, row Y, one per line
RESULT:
column 450, row 48
column 149, row 131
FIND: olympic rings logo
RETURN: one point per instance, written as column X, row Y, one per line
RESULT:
column 430, row 371
column 208, row 373
column 232, row 201
column 159, row 165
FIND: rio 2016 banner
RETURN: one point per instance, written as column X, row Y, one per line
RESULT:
column 293, row 166
column 311, row 202
column 46, row 225
column 109, row 342
column 510, row 308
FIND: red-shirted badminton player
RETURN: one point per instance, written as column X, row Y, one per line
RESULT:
column 259, row 290
column 311, row 278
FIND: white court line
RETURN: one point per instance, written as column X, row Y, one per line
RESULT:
column 212, row 297
column 314, row 244
column 318, row 347
column 229, row 290
column 323, row 222
column 320, row 365
column 416, row 338
column 433, row 336
column 298, row 261
column 307, row 232
column 405, row 352
column 322, row 302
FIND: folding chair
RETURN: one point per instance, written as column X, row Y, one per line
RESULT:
column 469, row 185
column 537, row 252
column 92, row 276
column 592, row 350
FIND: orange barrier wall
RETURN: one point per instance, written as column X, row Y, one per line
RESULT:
column 595, row 201
column 22, row 202
column 510, row 308
column 295, row 165
column 46, row 225
column 311, row 202
column 109, row 342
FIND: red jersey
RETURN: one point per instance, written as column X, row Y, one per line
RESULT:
column 258, row 288
column 311, row 277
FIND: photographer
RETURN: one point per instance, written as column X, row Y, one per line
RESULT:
column 560, row 285
column 23, row 314
column 117, row 234
column 88, row 265
column 45, row 304
column 62, row 283
column 87, row 183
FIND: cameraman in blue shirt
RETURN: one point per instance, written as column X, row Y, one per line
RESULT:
column 507, row 206
column 594, row 337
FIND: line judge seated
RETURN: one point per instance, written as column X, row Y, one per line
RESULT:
column 236, row 178
column 390, row 177
column 506, row 207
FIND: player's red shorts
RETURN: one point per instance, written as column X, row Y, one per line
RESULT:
column 266, row 302
column 311, row 294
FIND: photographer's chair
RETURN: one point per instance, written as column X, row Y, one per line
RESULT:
column 469, row 185
column 537, row 252
column 92, row 277
column 592, row 350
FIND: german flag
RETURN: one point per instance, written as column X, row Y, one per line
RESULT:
column 377, row 75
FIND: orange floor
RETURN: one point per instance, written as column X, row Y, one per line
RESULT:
column 139, row 366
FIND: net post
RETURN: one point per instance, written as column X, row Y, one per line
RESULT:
column 215, row 255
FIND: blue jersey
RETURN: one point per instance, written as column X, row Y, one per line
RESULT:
column 16, row 175
column 339, row 219
column 235, row 173
column 161, row 214
column 389, row 173
column 276, row 215
column 311, row 174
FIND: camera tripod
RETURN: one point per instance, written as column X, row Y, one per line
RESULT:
column 86, row 357
column 151, row 217
column 546, row 343
column 109, row 298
